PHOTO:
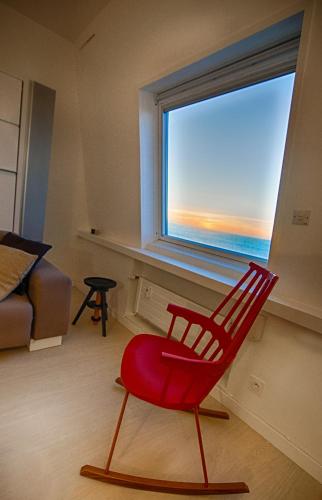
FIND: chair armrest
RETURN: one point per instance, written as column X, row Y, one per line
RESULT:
column 194, row 317
column 187, row 314
column 49, row 291
column 189, row 363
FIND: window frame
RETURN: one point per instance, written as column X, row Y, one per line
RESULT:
column 274, row 62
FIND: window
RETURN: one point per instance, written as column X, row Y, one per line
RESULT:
column 223, row 139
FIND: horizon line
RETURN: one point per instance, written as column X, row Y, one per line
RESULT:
column 222, row 223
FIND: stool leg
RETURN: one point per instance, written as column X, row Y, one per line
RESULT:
column 82, row 307
column 104, row 313
column 98, row 301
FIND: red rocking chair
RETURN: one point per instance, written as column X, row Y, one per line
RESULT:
column 179, row 374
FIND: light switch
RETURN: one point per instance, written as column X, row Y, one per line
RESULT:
column 301, row 217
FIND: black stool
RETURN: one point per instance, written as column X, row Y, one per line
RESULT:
column 101, row 286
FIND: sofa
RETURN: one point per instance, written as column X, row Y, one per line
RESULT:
column 40, row 317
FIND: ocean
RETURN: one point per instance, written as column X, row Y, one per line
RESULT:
column 254, row 247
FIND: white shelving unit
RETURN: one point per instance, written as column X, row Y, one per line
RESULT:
column 10, row 113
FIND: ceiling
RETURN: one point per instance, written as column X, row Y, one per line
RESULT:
column 67, row 18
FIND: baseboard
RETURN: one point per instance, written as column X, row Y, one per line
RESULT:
column 132, row 323
column 273, row 435
column 37, row 344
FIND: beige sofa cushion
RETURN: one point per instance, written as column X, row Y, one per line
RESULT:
column 14, row 266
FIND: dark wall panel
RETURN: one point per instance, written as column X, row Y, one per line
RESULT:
column 40, row 138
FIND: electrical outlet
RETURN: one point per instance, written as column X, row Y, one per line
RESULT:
column 301, row 217
column 147, row 292
column 256, row 385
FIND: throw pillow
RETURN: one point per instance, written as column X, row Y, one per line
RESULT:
column 33, row 247
column 29, row 246
column 14, row 266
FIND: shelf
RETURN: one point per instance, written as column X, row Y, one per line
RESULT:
column 220, row 278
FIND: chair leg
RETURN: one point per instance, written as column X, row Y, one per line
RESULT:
column 117, row 430
column 202, row 453
column 82, row 307
column 196, row 412
column 150, row 484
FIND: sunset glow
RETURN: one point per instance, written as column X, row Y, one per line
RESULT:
column 244, row 226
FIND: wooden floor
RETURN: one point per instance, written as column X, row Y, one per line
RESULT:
column 58, row 409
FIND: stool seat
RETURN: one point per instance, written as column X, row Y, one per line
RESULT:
column 101, row 284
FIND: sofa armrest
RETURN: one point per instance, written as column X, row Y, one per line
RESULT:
column 50, row 294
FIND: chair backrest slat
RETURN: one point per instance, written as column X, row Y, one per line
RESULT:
column 208, row 346
column 198, row 339
column 251, row 298
column 240, row 308
column 171, row 326
column 185, row 333
column 214, row 354
column 231, row 294
column 237, row 303
column 249, row 312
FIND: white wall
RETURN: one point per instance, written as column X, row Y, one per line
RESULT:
column 138, row 42
column 31, row 52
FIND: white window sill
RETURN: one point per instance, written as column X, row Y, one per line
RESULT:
column 215, row 273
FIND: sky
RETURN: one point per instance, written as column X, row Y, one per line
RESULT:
column 225, row 156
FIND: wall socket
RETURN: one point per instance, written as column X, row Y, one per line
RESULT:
column 301, row 217
column 147, row 292
column 256, row 385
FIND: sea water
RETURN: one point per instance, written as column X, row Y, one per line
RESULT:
column 248, row 245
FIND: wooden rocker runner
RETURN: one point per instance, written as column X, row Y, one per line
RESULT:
column 178, row 375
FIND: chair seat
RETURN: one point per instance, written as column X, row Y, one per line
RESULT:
column 146, row 375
